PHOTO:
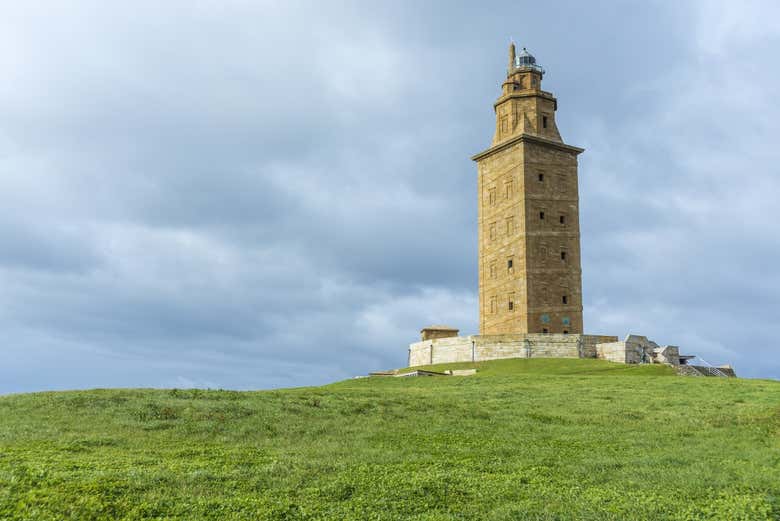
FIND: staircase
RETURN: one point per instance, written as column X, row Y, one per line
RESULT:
column 704, row 368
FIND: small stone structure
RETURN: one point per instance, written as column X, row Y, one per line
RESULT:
column 432, row 332
column 396, row 373
column 637, row 349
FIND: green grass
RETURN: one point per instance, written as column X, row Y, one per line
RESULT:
column 523, row 439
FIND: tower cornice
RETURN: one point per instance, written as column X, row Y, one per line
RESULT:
column 530, row 138
column 526, row 93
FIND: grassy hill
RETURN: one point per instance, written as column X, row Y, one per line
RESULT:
column 523, row 439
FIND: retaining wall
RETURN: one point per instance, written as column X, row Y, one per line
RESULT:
column 494, row 347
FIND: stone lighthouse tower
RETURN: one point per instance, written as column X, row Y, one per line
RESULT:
column 530, row 280
column 529, row 233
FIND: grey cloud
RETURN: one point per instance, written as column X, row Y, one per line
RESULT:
column 49, row 247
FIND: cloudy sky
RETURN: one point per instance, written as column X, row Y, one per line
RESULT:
column 261, row 194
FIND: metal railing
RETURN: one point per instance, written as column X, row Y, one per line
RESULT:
column 707, row 367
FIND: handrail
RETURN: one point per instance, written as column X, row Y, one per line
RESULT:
column 711, row 368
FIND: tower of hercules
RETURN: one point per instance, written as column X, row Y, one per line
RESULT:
column 530, row 279
column 529, row 233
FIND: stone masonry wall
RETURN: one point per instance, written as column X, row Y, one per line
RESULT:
column 636, row 349
column 589, row 343
column 494, row 347
column 614, row 352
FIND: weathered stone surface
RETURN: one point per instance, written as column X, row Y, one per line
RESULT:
column 667, row 355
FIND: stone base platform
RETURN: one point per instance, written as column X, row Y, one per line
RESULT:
column 634, row 349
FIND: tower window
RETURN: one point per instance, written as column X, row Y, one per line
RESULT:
column 541, row 178
column 562, row 219
column 541, row 216
column 509, row 264
column 511, row 306
column 565, row 299
column 563, row 255
column 492, row 231
column 544, row 121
